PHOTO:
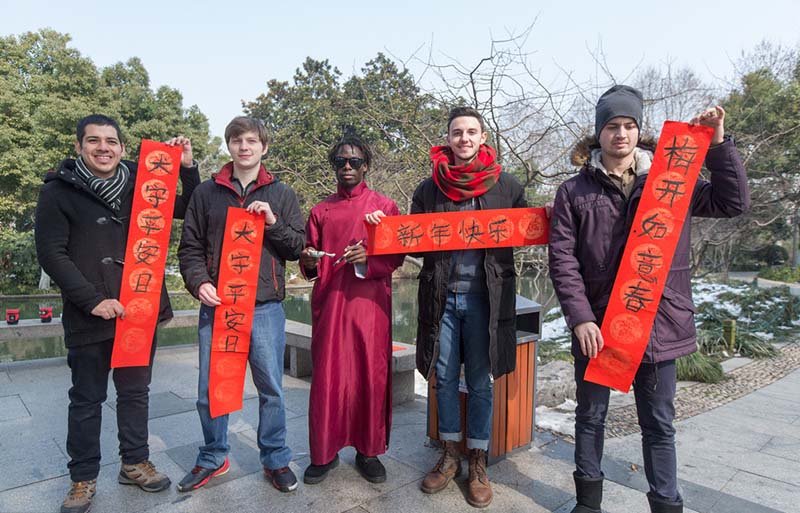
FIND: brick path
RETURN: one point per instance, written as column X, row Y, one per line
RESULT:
column 695, row 399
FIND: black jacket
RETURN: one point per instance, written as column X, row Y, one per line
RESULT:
column 500, row 279
column 81, row 242
column 201, row 242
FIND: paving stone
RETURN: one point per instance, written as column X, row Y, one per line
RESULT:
column 410, row 499
column 47, row 495
column 163, row 404
column 762, row 490
column 33, row 459
column 243, row 457
column 700, row 397
column 12, row 407
column 545, row 481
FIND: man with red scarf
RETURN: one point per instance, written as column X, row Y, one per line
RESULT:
column 466, row 301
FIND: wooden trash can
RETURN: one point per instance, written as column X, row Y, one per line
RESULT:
column 513, row 409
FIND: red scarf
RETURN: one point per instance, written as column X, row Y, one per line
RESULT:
column 461, row 183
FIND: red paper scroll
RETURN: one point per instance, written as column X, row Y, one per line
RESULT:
column 146, row 253
column 233, row 319
column 448, row 231
column 648, row 254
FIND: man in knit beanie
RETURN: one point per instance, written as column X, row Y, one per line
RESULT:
column 589, row 229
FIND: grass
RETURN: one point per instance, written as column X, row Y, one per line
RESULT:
column 699, row 367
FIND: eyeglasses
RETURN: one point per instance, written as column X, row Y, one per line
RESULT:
column 355, row 163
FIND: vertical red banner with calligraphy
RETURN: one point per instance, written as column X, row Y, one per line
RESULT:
column 450, row 231
column 233, row 319
column 146, row 252
column 648, row 254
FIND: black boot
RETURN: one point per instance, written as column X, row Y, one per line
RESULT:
column 589, row 492
column 663, row 506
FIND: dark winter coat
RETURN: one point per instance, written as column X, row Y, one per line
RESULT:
column 203, row 229
column 500, row 279
column 81, row 242
column 589, row 228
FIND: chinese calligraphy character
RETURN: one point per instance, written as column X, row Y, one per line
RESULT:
column 470, row 231
column 672, row 188
column 408, row 235
column 440, row 233
column 244, row 232
column 155, row 192
column 680, row 156
column 499, row 230
column 151, row 221
column 146, row 251
column 646, row 263
column 653, row 228
column 235, row 291
column 161, row 164
column 230, row 343
column 142, row 284
column 239, row 262
column 636, row 297
column 234, row 319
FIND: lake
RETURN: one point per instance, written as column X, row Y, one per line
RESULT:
column 296, row 304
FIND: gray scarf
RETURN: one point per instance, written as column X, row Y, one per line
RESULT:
column 110, row 189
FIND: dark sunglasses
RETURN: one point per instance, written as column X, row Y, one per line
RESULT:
column 355, row 163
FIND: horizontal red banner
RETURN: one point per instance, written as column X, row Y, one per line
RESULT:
column 449, row 231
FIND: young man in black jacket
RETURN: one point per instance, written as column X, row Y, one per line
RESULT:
column 467, row 301
column 81, row 233
column 244, row 183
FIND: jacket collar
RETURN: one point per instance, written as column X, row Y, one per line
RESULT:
column 225, row 175
column 355, row 192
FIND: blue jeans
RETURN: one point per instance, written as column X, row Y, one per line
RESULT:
column 465, row 325
column 267, row 341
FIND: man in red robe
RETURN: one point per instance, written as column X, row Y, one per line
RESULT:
column 351, row 343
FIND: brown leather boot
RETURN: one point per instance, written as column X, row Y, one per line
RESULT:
column 448, row 467
column 479, row 491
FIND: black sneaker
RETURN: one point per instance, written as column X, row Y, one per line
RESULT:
column 315, row 474
column 370, row 468
column 199, row 476
column 282, row 478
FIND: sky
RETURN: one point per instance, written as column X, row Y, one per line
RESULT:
column 220, row 53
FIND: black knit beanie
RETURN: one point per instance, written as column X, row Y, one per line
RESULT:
column 620, row 100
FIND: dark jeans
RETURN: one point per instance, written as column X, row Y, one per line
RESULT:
column 90, row 365
column 654, row 389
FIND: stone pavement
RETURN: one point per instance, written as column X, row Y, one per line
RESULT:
column 741, row 457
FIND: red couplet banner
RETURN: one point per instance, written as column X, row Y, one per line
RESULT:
column 146, row 253
column 233, row 319
column 648, row 254
column 448, row 231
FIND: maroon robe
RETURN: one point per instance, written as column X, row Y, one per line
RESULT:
column 351, row 342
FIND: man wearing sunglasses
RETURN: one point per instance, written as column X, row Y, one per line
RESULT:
column 351, row 305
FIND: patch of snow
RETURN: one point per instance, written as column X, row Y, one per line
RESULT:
column 554, row 329
column 763, row 336
column 420, row 384
column 560, row 419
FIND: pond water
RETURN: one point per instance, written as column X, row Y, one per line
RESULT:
column 296, row 304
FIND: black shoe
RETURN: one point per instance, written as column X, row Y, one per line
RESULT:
column 316, row 474
column 282, row 478
column 370, row 468
column 659, row 505
column 589, row 492
column 199, row 476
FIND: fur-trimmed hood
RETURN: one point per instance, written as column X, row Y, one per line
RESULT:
column 582, row 152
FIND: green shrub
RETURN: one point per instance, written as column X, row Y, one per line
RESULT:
column 784, row 274
column 699, row 367
column 19, row 268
